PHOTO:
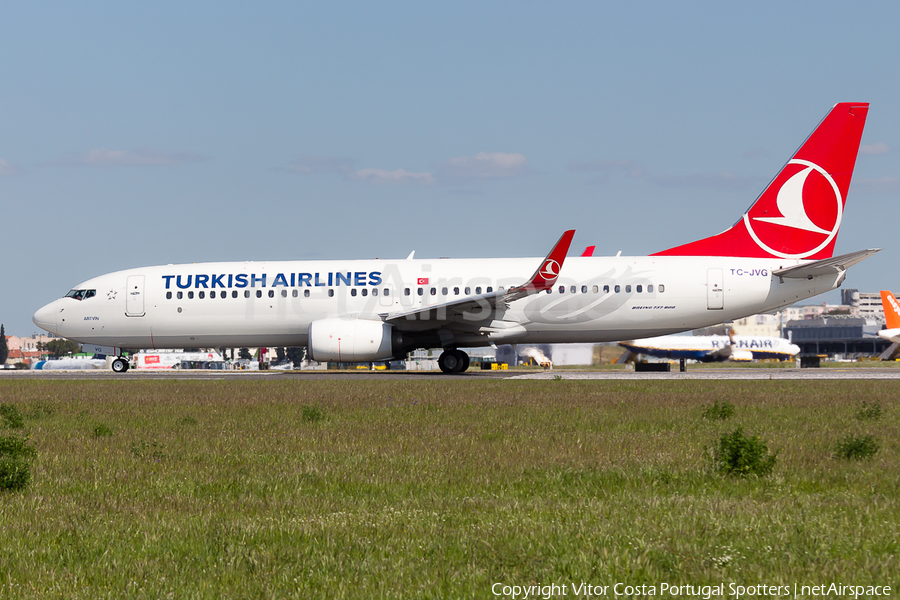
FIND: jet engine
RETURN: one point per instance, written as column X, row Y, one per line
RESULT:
column 350, row 340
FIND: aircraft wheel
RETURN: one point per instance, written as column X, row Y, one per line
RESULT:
column 119, row 365
column 465, row 364
column 452, row 361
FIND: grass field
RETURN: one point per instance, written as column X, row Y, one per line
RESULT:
column 441, row 489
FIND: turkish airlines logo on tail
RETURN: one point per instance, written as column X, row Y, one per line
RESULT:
column 793, row 213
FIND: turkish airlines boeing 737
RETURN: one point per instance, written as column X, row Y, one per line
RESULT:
column 780, row 251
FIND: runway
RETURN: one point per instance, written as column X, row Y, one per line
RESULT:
column 720, row 374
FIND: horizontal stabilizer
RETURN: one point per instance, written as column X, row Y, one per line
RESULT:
column 826, row 266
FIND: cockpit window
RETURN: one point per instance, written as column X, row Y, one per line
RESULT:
column 81, row 294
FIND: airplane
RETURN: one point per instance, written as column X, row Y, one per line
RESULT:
column 714, row 348
column 780, row 250
column 891, row 317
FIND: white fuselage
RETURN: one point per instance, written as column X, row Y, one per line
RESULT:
column 211, row 305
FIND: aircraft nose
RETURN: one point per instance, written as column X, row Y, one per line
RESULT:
column 45, row 317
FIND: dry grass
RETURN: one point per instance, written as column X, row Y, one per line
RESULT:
column 439, row 488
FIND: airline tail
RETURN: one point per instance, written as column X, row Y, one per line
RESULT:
column 891, row 310
column 799, row 213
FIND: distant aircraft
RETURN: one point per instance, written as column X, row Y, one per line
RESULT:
column 778, row 252
column 714, row 348
column 891, row 317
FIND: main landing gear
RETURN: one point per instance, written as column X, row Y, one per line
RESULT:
column 119, row 365
column 453, row 361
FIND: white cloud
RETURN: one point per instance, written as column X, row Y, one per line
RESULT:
column 628, row 167
column 483, row 166
column 7, row 169
column 102, row 157
column 721, row 181
column 881, row 184
column 397, row 176
column 876, row 148
column 310, row 163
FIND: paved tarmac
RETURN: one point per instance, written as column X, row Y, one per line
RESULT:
column 826, row 373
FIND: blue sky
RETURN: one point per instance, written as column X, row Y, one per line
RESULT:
column 168, row 132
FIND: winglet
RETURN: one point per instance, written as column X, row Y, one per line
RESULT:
column 589, row 251
column 548, row 272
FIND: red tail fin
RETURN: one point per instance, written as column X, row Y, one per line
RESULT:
column 799, row 213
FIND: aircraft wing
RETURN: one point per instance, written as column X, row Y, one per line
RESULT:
column 542, row 279
column 826, row 266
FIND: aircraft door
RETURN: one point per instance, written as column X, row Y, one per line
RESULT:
column 134, row 296
column 715, row 291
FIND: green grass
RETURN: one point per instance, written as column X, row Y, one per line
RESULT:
column 439, row 489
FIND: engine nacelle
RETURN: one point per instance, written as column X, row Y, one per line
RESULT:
column 350, row 340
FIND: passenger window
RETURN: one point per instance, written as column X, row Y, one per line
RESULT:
column 468, row 291
column 246, row 293
column 584, row 289
column 650, row 288
column 306, row 293
column 456, row 291
column 168, row 295
column 433, row 291
column 562, row 289
column 234, row 294
column 627, row 289
column 595, row 289
column 421, row 292
column 271, row 293
column 605, row 289
column 490, row 289
column 374, row 291
column 662, row 288
column 201, row 295
column 386, row 292
column 179, row 295
column 212, row 294
column 330, row 293
column 572, row 289
column 443, row 291
column 190, row 295
column 353, row 291
column 284, row 293
column 364, row 292
column 478, row 289
column 618, row 289
column 406, row 292
column 259, row 293
column 294, row 293
column 638, row 289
